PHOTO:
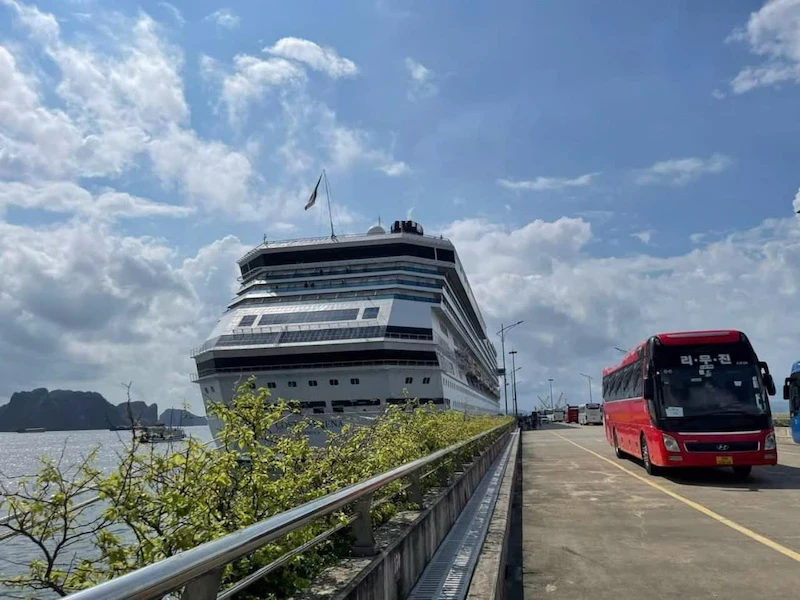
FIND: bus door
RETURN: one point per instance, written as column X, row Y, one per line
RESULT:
column 791, row 392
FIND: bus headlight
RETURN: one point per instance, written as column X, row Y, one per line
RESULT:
column 670, row 443
column 769, row 442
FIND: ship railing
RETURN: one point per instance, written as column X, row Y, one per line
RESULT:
column 252, row 276
column 289, row 243
column 325, row 285
column 197, row 375
column 198, row 572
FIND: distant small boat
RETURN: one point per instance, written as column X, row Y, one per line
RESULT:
column 32, row 430
column 160, row 433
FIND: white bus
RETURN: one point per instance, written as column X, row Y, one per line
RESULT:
column 590, row 414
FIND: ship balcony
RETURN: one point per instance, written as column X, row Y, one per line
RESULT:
column 196, row 376
column 273, row 336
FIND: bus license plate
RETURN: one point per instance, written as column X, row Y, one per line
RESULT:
column 724, row 460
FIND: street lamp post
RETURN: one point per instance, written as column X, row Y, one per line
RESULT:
column 589, row 378
column 502, row 334
column 515, row 389
column 551, row 392
column 514, row 379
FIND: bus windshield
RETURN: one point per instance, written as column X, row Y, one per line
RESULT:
column 710, row 380
column 730, row 388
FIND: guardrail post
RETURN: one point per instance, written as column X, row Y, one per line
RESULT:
column 205, row 587
column 476, row 450
column 443, row 474
column 414, row 491
column 361, row 528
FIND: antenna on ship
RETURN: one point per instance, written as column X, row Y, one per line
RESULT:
column 313, row 199
column 328, row 195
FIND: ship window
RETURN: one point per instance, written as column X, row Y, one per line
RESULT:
column 354, row 381
column 336, row 403
column 319, row 411
column 371, row 313
column 212, row 389
column 205, row 389
column 247, row 321
column 338, row 409
column 313, row 404
column 292, row 384
column 271, row 385
column 334, row 382
column 445, row 255
column 312, row 316
column 409, row 380
column 312, row 382
column 426, row 380
column 367, row 402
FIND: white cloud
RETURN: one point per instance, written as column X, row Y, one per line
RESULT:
column 174, row 12
column 773, row 32
column 796, row 202
column 91, row 116
column 82, row 307
column 251, row 78
column 315, row 56
column 114, row 103
column 541, row 184
column 122, row 107
column 422, row 80
column 682, row 170
column 395, row 168
column 643, row 236
column 224, row 17
column 33, row 139
column 576, row 308
column 68, row 197
column 314, row 135
column 209, row 173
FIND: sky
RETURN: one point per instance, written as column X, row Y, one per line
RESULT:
column 606, row 171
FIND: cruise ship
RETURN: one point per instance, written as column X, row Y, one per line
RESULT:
column 348, row 325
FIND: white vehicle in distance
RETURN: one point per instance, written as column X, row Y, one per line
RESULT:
column 558, row 415
column 590, row 414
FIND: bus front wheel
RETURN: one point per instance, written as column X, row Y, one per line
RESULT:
column 648, row 464
column 742, row 472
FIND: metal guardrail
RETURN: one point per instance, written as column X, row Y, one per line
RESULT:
column 199, row 570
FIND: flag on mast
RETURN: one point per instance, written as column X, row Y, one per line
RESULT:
column 313, row 197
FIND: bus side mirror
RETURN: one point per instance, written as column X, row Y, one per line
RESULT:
column 649, row 388
column 769, row 383
column 786, row 391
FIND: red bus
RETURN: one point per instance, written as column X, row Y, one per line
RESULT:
column 691, row 399
column 571, row 414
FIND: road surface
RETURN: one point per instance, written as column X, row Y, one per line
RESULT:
column 597, row 527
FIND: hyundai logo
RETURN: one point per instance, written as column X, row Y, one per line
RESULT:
column 723, row 447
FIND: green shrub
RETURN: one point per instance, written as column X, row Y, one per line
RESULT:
column 159, row 503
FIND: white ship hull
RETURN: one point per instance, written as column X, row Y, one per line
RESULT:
column 347, row 332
